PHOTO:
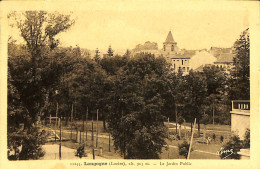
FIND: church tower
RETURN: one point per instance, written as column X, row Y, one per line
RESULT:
column 170, row 46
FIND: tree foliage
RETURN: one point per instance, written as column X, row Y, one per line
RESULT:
column 240, row 79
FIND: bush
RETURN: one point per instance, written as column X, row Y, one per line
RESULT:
column 81, row 151
column 184, row 149
column 26, row 145
column 231, row 148
column 246, row 141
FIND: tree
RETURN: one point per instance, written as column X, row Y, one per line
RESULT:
column 196, row 88
column 240, row 74
column 135, row 120
column 216, row 101
column 38, row 29
column 32, row 75
column 110, row 51
column 97, row 56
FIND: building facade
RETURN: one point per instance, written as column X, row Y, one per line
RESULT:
column 240, row 117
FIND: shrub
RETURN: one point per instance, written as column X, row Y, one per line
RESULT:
column 25, row 145
column 246, row 141
column 81, row 151
column 231, row 148
column 184, row 149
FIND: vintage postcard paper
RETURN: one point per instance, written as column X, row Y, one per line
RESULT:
column 129, row 84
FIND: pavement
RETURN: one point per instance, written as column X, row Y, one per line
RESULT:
column 52, row 153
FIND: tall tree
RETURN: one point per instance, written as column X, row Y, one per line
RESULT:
column 240, row 75
column 32, row 75
column 136, row 121
column 38, row 29
column 110, row 51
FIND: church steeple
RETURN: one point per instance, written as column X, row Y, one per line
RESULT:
column 169, row 38
column 170, row 46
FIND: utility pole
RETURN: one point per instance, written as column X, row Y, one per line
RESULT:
column 191, row 139
column 97, row 131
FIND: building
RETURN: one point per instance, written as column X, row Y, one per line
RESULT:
column 170, row 46
column 180, row 59
column 240, row 117
column 185, row 60
column 240, row 122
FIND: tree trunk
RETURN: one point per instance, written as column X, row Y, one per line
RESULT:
column 204, row 133
column 191, row 127
column 104, row 121
column 180, row 131
column 199, row 127
column 104, row 124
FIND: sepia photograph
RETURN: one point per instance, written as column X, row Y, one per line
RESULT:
column 136, row 82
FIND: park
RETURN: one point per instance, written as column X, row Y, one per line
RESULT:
column 68, row 103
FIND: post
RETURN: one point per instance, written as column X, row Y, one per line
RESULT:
column 92, row 134
column 176, row 118
column 213, row 117
column 71, row 131
column 93, row 151
column 50, row 120
column 57, row 107
column 60, row 140
column 71, row 114
column 97, row 131
column 76, row 134
column 87, row 126
column 168, row 127
column 191, row 139
column 83, row 128
column 79, row 136
column 185, row 134
column 109, row 143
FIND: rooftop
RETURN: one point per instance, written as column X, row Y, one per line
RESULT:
column 224, row 58
column 169, row 38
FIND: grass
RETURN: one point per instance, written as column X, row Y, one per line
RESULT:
column 171, row 153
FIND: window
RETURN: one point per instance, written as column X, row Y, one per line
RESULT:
column 174, row 66
column 188, row 69
column 172, row 48
column 182, row 62
column 183, row 69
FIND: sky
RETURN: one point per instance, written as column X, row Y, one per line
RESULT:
column 124, row 28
